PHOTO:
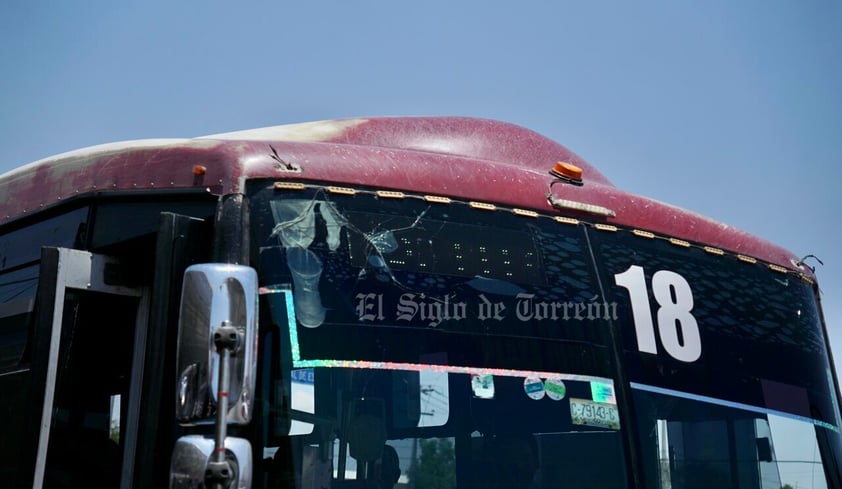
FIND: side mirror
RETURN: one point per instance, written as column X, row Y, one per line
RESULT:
column 190, row 467
column 216, row 297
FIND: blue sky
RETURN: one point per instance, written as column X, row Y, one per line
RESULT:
column 730, row 109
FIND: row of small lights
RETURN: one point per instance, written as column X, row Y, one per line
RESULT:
column 485, row 206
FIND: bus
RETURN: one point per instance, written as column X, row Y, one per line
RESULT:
column 395, row 302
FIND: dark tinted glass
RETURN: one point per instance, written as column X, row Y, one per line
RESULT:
column 23, row 245
column 17, row 298
column 760, row 335
column 410, row 281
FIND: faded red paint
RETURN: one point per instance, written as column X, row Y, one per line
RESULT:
column 464, row 158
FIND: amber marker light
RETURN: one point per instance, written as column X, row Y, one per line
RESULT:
column 563, row 169
column 567, row 172
column 199, row 170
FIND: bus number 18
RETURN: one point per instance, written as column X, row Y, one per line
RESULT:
column 677, row 327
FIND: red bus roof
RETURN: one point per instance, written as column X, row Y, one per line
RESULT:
column 464, row 158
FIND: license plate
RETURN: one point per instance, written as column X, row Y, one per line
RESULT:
column 589, row 413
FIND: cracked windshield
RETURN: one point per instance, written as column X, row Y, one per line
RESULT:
column 425, row 344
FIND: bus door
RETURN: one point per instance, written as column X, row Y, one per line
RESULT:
column 103, row 347
column 88, row 320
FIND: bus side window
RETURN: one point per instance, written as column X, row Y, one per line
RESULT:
column 17, row 297
column 17, row 294
column 20, row 253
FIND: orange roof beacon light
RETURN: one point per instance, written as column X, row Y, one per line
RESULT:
column 567, row 172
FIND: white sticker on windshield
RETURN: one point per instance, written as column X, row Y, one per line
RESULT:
column 534, row 387
column 483, row 386
column 555, row 388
